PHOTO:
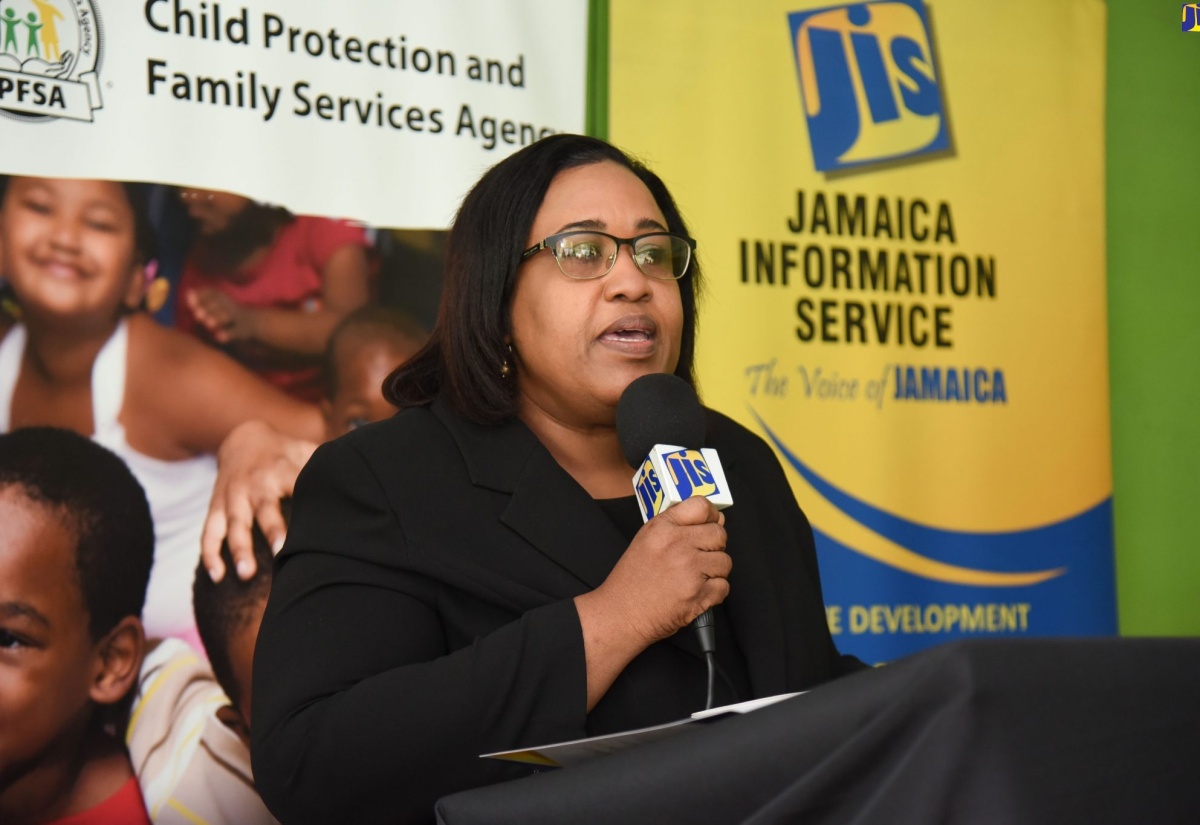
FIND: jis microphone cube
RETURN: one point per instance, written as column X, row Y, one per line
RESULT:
column 671, row 474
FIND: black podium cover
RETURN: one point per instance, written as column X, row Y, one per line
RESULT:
column 984, row 731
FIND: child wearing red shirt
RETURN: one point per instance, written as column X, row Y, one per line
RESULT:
column 75, row 556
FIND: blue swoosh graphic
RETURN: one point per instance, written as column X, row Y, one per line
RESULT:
column 1062, row 543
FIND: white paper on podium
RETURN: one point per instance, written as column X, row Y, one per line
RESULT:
column 565, row 754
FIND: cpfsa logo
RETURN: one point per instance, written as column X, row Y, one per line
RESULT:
column 49, row 56
column 868, row 82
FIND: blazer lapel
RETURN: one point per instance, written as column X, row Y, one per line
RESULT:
column 557, row 516
column 547, row 507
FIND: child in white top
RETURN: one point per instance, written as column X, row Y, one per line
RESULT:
column 83, row 357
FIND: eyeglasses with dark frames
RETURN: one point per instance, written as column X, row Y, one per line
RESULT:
column 585, row 254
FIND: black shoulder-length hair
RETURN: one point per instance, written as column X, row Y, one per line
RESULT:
column 463, row 356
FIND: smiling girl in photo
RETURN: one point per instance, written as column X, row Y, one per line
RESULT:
column 76, row 255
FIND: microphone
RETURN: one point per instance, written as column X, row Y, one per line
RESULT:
column 660, row 427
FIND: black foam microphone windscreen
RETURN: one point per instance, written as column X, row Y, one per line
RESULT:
column 658, row 409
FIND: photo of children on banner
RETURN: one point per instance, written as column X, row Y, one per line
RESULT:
column 75, row 556
column 267, row 286
column 189, row 731
column 78, row 258
column 363, row 350
column 258, row 466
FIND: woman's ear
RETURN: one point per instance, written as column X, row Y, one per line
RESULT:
column 118, row 661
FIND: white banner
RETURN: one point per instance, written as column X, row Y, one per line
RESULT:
column 381, row 112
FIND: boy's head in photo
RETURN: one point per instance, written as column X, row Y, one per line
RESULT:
column 364, row 349
column 228, row 615
column 76, row 547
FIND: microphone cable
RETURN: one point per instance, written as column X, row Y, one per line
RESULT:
column 710, row 658
column 706, row 633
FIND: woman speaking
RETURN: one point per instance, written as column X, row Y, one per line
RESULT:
column 473, row 574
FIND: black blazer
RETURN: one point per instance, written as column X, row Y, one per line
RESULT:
column 421, row 614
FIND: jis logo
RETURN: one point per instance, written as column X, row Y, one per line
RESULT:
column 690, row 474
column 649, row 491
column 1191, row 17
column 869, row 83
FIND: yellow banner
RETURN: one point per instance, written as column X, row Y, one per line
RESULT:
column 899, row 209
